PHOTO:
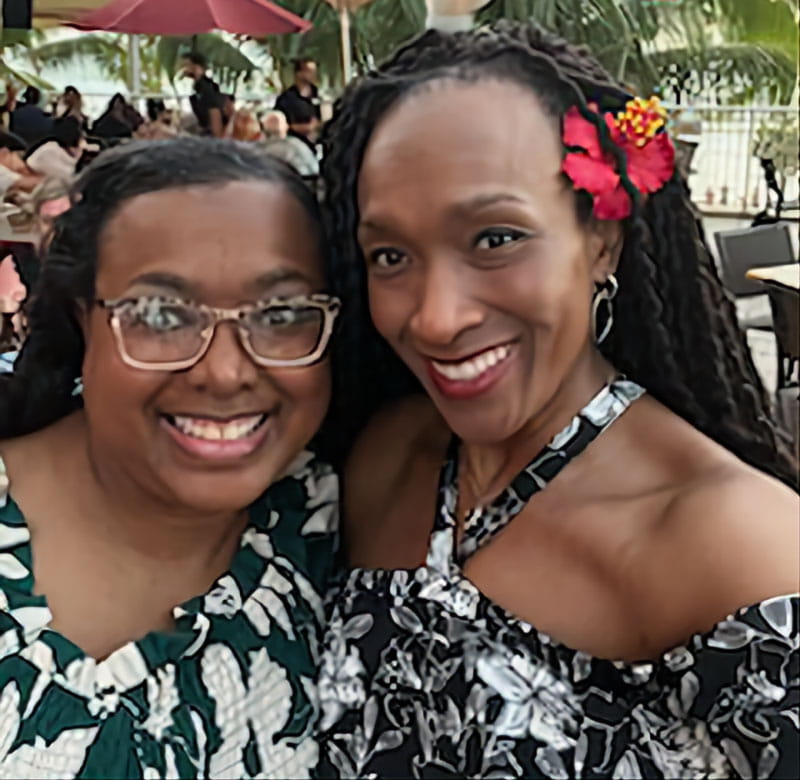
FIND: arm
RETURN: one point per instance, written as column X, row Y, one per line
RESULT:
column 215, row 122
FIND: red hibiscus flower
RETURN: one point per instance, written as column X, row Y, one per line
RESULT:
column 639, row 132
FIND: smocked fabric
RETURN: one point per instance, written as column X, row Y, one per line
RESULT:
column 228, row 693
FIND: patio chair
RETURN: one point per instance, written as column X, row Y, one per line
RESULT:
column 740, row 250
column 785, row 305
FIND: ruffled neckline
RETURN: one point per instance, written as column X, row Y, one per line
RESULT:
column 777, row 618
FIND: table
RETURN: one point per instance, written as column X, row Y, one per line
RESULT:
column 785, row 275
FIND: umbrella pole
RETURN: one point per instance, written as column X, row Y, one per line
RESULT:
column 134, row 68
column 344, row 24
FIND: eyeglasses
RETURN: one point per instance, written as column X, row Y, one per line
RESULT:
column 155, row 333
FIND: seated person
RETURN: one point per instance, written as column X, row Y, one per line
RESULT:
column 118, row 121
column 58, row 155
column 28, row 120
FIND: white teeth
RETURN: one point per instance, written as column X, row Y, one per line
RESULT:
column 474, row 367
column 211, row 431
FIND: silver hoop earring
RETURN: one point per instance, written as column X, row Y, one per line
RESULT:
column 605, row 294
column 77, row 387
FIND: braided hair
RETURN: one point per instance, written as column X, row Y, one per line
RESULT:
column 41, row 389
column 675, row 329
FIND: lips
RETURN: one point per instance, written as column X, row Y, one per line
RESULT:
column 472, row 376
column 217, row 439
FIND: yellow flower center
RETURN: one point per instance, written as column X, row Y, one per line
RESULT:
column 641, row 119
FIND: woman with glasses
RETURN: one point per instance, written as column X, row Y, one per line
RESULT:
column 165, row 536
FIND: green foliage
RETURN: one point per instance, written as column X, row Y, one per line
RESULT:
column 742, row 47
column 643, row 43
column 16, row 41
column 776, row 139
column 159, row 56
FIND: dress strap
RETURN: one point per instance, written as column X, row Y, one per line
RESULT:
column 484, row 523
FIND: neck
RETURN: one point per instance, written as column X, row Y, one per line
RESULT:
column 129, row 515
column 486, row 469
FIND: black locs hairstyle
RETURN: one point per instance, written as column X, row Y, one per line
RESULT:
column 675, row 329
column 40, row 389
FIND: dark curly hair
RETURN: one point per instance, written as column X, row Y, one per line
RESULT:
column 675, row 330
column 40, row 391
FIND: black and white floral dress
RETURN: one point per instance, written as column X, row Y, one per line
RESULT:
column 423, row 676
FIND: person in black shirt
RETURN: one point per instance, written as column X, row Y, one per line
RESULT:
column 28, row 120
column 302, row 124
column 207, row 99
column 303, row 92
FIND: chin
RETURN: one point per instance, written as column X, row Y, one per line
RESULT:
column 475, row 425
column 221, row 492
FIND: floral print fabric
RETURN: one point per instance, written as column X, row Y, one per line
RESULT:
column 229, row 693
column 423, row 676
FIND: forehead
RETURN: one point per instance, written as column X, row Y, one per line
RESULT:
column 218, row 238
column 452, row 135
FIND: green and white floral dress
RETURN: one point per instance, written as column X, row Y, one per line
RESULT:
column 229, row 693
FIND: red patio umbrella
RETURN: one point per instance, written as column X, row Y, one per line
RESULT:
column 190, row 17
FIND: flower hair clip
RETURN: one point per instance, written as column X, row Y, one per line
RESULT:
column 639, row 131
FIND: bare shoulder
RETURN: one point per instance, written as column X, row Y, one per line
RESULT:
column 728, row 539
column 31, row 457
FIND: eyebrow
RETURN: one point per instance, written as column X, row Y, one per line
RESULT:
column 160, row 279
column 182, row 286
column 485, row 200
column 460, row 209
column 281, row 276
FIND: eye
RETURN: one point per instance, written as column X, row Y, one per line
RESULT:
column 160, row 315
column 284, row 316
column 495, row 237
column 386, row 257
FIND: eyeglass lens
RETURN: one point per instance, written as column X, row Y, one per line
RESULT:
column 156, row 331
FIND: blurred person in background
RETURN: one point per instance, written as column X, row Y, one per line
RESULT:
column 207, row 100
column 28, row 120
column 57, row 156
column 274, row 125
column 118, row 121
column 159, row 123
column 15, row 175
column 71, row 104
column 304, row 91
column 303, row 125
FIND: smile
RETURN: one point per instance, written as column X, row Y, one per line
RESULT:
column 472, row 368
column 469, row 378
column 217, row 440
column 212, row 430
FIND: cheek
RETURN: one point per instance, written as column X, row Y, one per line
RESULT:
column 109, row 384
column 389, row 308
column 308, row 391
column 553, row 294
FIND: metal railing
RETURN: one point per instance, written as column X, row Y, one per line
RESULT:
column 715, row 142
column 724, row 174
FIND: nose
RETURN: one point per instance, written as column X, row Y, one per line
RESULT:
column 225, row 369
column 445, row 305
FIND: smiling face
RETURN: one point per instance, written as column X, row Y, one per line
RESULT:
column 480, row 274
column 213, row 437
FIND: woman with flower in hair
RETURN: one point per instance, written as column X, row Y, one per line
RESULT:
column 573, row 526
